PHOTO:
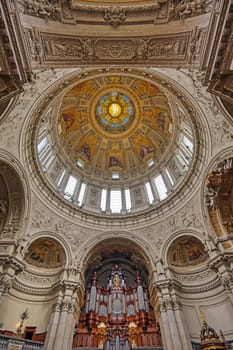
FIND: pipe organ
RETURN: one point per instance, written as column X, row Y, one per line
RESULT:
column 117, row 316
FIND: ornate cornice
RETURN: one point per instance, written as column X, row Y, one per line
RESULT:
column 139, row 12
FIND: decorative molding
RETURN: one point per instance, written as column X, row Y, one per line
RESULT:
column 170, row 50
column 34, row 279
column 194, row 277
column 159, row 11
column 115, row 15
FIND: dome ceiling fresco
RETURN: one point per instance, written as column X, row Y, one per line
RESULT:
column 115, row 142
column 115, row 123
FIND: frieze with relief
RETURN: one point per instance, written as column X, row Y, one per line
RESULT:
column 84, row 50
column 188, row 217
column 31, row 278
column 43, row 219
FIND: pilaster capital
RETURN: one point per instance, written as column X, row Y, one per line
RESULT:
column 65, row 305
column 57, row 306
column 12, row 264
column 5, row 284
column 163, row 284
column 221, row 262
column 68, row 305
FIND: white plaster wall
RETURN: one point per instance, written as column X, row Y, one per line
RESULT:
column 192, row 321
column 217, row 312
column 11, row 309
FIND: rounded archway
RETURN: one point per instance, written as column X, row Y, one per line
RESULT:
column 13, row 191
column 117, row 307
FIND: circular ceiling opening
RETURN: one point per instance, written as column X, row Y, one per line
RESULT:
column 115, row 112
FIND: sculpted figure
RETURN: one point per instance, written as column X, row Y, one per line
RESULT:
column 211, row 196
column 3, row 207
column 89, row 50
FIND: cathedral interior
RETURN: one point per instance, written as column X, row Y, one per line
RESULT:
column 116, row 174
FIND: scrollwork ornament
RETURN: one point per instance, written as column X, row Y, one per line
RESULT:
column 65, row 306
column 57, row 306
column 162, row 306
column 115, row 15
column 72, row 307
column 177, row 305
column 9, row 232
column 169, row 304
column 227, row 282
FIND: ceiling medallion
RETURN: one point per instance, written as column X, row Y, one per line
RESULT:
column 115, row 112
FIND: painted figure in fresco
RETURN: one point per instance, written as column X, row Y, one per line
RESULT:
column 144, row 150
column 41, row 254
column 161, row 119
column 115, row 161
column 193, row 253
column 68, row 120
column 85, row 149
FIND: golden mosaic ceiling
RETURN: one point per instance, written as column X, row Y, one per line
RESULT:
column 115, row 123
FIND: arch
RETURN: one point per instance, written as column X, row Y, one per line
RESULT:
column 178, row 234
column 18, row 195
column 215, row 175
column 104, row 239
column 127, row 260
column 54, row 236
column 185, row 252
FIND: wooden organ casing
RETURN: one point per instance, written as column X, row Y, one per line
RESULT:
column 116, row 305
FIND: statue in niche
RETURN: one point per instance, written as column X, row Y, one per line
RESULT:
column 3, row 207
column 21, row 248
column 211, row 197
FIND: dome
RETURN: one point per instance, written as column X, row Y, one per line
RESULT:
column 122, row 142
column 114, row 125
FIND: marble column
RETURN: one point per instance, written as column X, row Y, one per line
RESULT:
column 184, row 335
column 61, row 329
column 165, row 328
column 173, row 326
column 53, row 324
column 174, row 332
column 69, row 329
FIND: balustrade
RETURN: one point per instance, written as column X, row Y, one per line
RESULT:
column 6, row 342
